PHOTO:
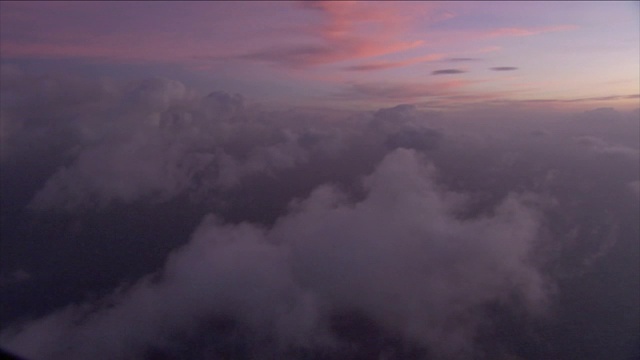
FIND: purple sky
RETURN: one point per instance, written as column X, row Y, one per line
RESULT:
column 347, row 54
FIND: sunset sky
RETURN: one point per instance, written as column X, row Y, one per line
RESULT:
column 440, row 55
column 320, row 180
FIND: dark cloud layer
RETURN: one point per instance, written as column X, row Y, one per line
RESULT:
column 504, row 68
column 148, row 221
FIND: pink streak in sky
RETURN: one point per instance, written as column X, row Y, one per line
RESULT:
column 312, row 33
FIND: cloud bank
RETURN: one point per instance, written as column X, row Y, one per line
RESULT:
column 397, row 233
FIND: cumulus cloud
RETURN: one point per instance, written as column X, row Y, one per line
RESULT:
column 398, row 257
column 159, row 137
column 156, row 139
column 41, row 112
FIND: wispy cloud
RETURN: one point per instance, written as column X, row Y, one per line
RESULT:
column 504, row 68
column 340, row 37
column 399, row 90
column 448, row 37
column 587, row 99
column 461, row 59
column 447, row 72
column 342, row 50
column 521, row 31
column 383, row 65
column 340, row 31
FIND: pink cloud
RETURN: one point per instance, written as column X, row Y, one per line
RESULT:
column 336, row 51
column 349, row 30
column 342, row 18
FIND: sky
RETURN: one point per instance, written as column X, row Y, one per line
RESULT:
column 320, row 180
column 440, row 55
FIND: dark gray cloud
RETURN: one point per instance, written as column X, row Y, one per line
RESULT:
column 504, row 68
column 447, row 72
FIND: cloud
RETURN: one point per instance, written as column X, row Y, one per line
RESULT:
column 604, row 98
column 586, row 100
column 504, row 68
column 362, row 234
column 400, row 91
column 465, row 36
column 603, row 147
column 157, row 139
column 160, row 136
column 342, row 50
column 461, row 59
column 517, row 31
column 399, row 257
column 447, row 72
column 338, row 38
column 383, row 65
